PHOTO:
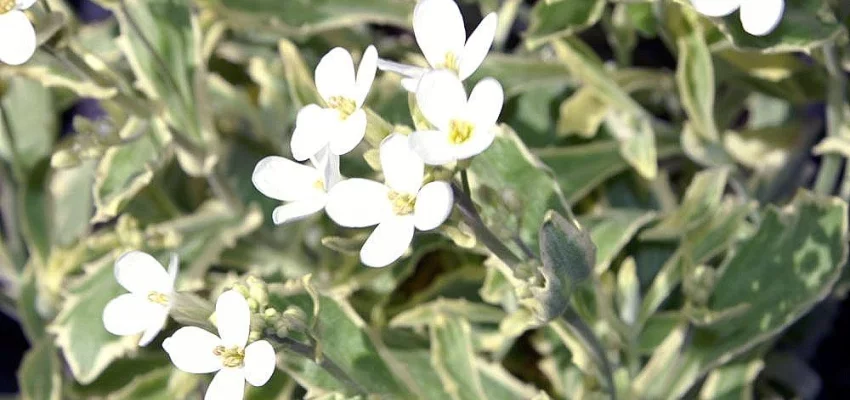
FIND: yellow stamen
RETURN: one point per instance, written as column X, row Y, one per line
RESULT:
column 343, row 105
column 7, row 5
column 403, row 203
column 233, row 357
column 158, row 298
column 459, row 131
column 318, row 184
column 450, row 63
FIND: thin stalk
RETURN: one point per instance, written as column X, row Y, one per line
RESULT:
column 223, row 191
column 831, row 166
column 482, row 232
column 588, row 337
column 309, row 352
column 507, row 16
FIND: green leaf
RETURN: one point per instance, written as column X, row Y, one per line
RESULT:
column 568, row 253
column 31, row 321
column 554, row 19
column 695, row 79
column 701, row 199
column 611, row 230
column 582, row 114
column 125, row 170
column 87, row 346
column 520, row 73
column 71, row 202
column 424, row 314
column 28, row 123
column 40, row 374
column 732, row 381
column 299, row 79
column 453, row 358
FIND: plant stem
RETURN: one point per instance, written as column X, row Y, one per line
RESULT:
column 309, row 352
column 831, row 166
column 588, row 337
column 482, row 232
column 223, row 191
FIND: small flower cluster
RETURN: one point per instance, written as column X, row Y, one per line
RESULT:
column 17, row 35
column 758, row 17
column 145, row 310
column 408, row 199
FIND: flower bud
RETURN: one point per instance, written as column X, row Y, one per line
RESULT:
column 242, row 289
column 295, row 318
column 271, row 314
column 255, row 336
column 253, row 305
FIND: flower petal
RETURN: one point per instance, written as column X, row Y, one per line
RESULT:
column 407, row 70
column 438, row 27
column 388, row 241
column 349, row 133
column 335, row 74
column 191, row 350
column 358, row 203
column 366, row 74
column 140, row 273
column 18, row 44
column 480, row 140
column 297, row 210
column 403, row 168
column 477, row 46
column 285, row 180
column 716, row 8
column 432, row 146
column 260, row 361
column 233, row 318
column 433, row 205
column 128, row 314
column 410, row 84
column 24, row 4
column 761, row 17
column 313, row 126
column 227, row 384
column 441, row 97
column 156, row 322
column 485, row 103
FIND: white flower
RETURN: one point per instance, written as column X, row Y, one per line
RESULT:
column 396, row 207
column 303, row 187
column 145, row 308
column 759, row 17
column 17, row 35
column 340, row 125
column 464, row 127
column 197, row 351
column 440, row 32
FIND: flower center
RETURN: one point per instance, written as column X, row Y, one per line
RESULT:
column 158, row 298
column 450, row 62
column 343, row 105
column 230, row 357
column 403, row 203
column 459, row 131
column 318, row 184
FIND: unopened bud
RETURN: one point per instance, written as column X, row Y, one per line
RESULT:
column 270, row 314
column 254, row 336
column 242, row 289
column 253, row 305
column 282, row 331
column 295, row 318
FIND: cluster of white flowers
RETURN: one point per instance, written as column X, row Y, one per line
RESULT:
column 462, row 128
column 17, row 35
column 758, row 17
column 145, row 310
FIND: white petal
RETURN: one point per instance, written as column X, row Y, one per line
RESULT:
column 478, row 46
column 438, row 27
column 285, row 180
column 313, row 127
column 407, row 70
column 479, row 141
column 349, row 133
column 297, row 210
column 173, row 268
column 191, row 350
column 129, row 314
column 432, row 146
column 485, row 103
column 761, row 17
column 330, row 171
column 335, row 74
column 228, row 384
column 358, row 203
column 18, row 43
column 388, row 241
column 233, row 318
column 410, row 84
column 716, row 8
column 433, row 205
column 140, row 273
column 24, row 4
column 366, row 74
column 441, row 96
column 156, row 323
column 403, row 168
column 260, row 362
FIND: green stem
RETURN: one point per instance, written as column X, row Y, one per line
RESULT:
column 831, row 165
column 309, row 352
column 589, row 339
column 482, row 232
column 223, row 191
